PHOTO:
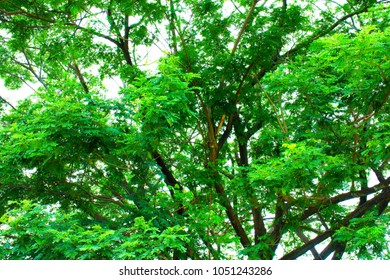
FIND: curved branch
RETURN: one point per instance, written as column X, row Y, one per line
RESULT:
column 321, row 33
column 358, row 212
column 343, row 197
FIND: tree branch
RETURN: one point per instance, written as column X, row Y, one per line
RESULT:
column 321, row 33
column 305, row 240
column 169, row 179
column 358, row 212
column 243, row 27
column 343, row 197
column 6, row 102
column 233, row 217
column 80, row 76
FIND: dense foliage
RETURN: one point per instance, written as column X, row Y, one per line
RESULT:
column 237, row 129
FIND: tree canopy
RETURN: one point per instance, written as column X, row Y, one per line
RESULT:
column 241, row 129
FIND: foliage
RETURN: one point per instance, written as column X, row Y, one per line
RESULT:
column 38, row 232
column 367, row 237
column 195, row 129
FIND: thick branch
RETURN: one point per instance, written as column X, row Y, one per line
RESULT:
column 233, row 217
column 343, row 197
column 305, row 240
column 360, row 211
column 333, row 246
column 169, row 178
column 227, row 132
column 309, row 245
column 278, row 224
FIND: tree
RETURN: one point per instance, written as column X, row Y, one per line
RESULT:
column 255, row 135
